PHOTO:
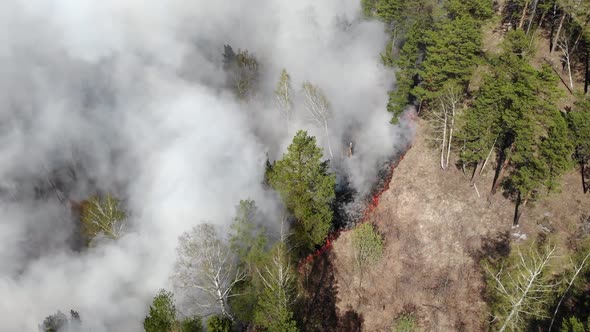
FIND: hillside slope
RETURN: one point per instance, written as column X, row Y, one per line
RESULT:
column 435, row 225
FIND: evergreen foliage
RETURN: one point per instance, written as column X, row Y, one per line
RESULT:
column 451, row 54
column 54, row 323
column 192, row 324
column 307, row 189
column 579, row 125
column 408, row 61
column 162, row 315
column 438, row 42
column 249, row 242
column 59, row 322
column 573, row 324
column 219, row 324
column 516, row 107
column 243, row 72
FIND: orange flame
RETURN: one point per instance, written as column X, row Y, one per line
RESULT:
column 369, row 210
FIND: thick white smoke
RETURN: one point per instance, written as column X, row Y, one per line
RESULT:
column 132, row 92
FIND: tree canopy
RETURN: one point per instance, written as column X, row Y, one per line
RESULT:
column 102, row 215
column 306, row 187
column 162, row 315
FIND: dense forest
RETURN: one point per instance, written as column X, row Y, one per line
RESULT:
column 502, row 90
column 515, row 104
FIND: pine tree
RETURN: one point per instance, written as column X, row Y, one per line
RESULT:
column 162, row 315
column 451, row 54
column 515, row 113
column 243, row 72
column 573, row 324
column 306, row 187
column 248, row 238
column 191, row 324
column 58, row 322
column 219, row 324
column 480, row 124
column 54, row 323
column 579, row 124
column 249, row 242
column 409, row 63
column 478, row 9
column 556, row 151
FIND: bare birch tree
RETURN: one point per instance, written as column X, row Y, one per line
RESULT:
column 102, row 216
column 563, row 44
column 284, row 95
column 523, row 288
column 276, row 300
column 206, row 264
column 274, row 308
column 568, row 7
column 532, row 16
column 318, row 107
column 576, row 271
column 443, row 121
column 523, row 15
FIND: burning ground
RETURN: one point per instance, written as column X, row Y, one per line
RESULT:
column 132, row 98
column 436, row 229
column 433, row 227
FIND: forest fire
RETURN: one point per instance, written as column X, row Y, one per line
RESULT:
column 368, row 206
column 353, row 208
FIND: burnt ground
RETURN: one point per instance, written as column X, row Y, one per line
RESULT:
column 434, row 223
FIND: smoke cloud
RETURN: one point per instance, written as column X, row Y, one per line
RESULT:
column 129, row 97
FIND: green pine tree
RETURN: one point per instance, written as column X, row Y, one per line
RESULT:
column 219, row 324
column 191, row 324
column 573, row 324
column 249, row 242
column 162, row 316
column 556, row 151
column 579, row 124
column 451, row 54
column 307, row 189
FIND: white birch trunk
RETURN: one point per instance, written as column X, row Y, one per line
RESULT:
column 444, row 140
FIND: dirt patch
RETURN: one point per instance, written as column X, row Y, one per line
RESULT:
column 433, row 223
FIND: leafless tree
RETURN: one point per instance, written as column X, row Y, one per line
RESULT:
column 577, row 269
column 566, row 50
column 206, row 264
column 524, row 287
column 443, row 121
column 318, row 107
column 523, row 15
column 102, row 216
column 278, row 277
column 284, row 95
column 568, row 7
column 532, row 16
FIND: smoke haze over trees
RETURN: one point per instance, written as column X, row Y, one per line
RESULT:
column 132, row 99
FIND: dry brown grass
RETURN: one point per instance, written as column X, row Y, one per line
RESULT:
column 433, row 223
